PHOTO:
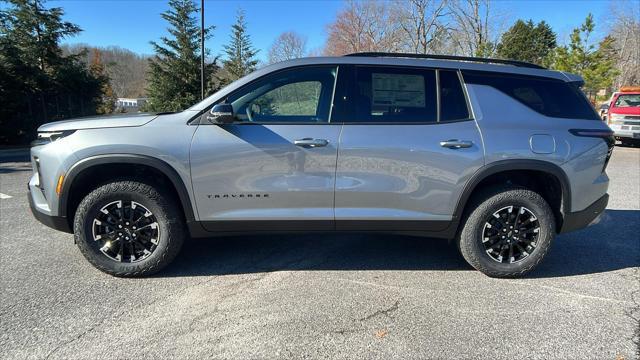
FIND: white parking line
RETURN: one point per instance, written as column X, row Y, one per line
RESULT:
column 5, row 196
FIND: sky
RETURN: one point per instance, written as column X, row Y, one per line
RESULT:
column 131, row 24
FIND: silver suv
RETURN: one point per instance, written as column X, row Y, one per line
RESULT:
column 498, row 155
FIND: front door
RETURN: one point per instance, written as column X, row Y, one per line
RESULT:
column 407, row 149
column 276, row 162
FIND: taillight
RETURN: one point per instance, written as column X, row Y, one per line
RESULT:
column 606, row 135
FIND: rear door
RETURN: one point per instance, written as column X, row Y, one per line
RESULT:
column 407, row 147
column 276, row 162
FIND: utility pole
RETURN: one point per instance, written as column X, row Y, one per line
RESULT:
column 202, row 49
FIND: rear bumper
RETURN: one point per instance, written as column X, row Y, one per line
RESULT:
column 55, row 222
column 581, row 219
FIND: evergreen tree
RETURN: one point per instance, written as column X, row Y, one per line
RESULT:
column 97, row 69
column 240, row 54
column 37, row 83
column 526, row 41
column 174, row 73
column 595, row 65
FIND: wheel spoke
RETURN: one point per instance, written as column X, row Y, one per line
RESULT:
column 120, row 256
column 153, row 225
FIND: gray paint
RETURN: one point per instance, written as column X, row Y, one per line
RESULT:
column 379, row 172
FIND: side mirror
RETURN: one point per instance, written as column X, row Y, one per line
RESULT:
column 221, row 114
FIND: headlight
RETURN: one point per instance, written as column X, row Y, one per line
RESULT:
column 50, row 136
column 616, row 116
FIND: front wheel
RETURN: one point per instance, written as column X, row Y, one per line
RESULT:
column 128, row 229
column 507, row 232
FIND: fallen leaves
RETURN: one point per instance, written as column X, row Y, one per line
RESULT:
column 381, row 333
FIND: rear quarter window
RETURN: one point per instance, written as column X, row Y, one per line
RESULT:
column 549, row 97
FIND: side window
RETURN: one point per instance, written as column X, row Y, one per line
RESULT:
column 395, row 95
column 550, row 97
column 295, row 99
column 453, row 104
column 300, row 95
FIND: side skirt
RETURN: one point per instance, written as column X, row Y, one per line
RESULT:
column 436, row 229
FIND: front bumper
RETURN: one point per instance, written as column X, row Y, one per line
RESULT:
column 581, row 219
column 56, row 222
column 626, row 131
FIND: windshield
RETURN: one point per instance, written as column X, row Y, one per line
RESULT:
column 628, row 100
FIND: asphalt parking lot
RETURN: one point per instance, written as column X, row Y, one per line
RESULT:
column 339, row 296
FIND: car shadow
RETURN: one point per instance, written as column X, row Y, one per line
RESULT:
column 7, row 168
column 612, row 244
column 14, row 155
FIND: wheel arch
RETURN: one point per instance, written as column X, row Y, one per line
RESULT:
column 510, row 167
column 75, row 173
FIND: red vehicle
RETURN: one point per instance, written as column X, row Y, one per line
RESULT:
column 624, row 115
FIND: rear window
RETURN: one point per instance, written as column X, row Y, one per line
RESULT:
column 550, row 97
column 395, row 95
column 453, row 104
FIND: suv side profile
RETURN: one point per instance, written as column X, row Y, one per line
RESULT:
column 498, row 155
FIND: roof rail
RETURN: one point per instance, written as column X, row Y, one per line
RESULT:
column 449, row 57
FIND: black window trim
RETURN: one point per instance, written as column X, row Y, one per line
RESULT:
column 196, row 120
column 437, row 122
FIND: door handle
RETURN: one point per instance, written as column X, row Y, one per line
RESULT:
column 456, row 144
column 311, row 143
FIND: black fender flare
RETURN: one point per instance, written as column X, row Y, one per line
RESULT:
column 153, row 162
column 510, row 165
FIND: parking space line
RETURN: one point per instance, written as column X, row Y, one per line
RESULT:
column 5, row 196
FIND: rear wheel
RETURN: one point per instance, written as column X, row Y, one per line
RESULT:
column 128, row 229
column 507, row 232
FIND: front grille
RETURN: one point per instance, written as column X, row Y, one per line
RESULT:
column 632, row 117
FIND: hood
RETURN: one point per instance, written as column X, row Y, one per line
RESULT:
column 98, row 122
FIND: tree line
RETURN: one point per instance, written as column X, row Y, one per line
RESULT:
column 42, row 81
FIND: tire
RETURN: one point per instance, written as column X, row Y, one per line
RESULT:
column 482, row 230
column 95, row 231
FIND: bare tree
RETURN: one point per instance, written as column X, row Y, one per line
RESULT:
column 363, row 26
column 127, row 70
column 475, row 28
column 422, row 24
column 624, row 27
column 289, row 45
